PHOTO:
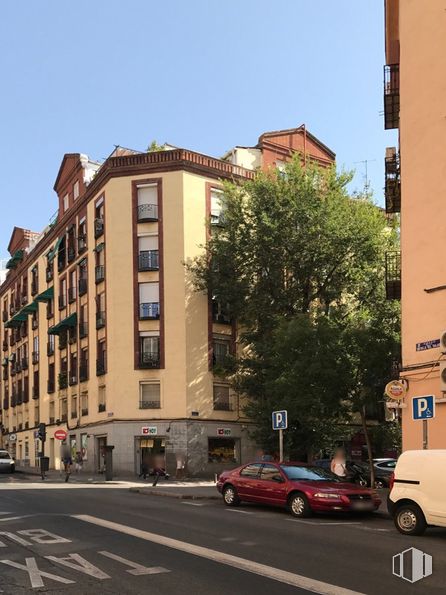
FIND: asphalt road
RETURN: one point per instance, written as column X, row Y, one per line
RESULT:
column 67, row 538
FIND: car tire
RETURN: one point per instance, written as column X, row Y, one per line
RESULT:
column 298, row 505
column 409, row 519
column 230, row 496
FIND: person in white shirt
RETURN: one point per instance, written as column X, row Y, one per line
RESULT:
column 338, row 464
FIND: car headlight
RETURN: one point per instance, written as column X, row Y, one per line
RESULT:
column 327, row 495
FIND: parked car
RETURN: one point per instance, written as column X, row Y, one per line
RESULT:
column 7, row 463
column 418, row 487
column 383, row 471
column 302, row 488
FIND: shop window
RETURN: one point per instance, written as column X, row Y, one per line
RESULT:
column 222, row 450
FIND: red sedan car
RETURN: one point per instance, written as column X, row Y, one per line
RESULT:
column 302, row 488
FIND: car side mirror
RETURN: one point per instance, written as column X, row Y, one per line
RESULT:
column 278, row 478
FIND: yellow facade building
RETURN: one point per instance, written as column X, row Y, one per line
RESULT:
column 414, row 103
column 102, row 332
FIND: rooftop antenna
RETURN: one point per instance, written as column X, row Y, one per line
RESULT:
column 365, row 162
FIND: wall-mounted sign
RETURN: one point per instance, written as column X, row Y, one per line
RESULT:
column 60, row 435
column 395, row 390
column 432, row 344
column 223, row 431
column 149, row 431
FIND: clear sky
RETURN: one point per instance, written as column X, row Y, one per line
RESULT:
column 84, row 75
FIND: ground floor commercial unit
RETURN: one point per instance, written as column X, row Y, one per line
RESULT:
column 186, row 448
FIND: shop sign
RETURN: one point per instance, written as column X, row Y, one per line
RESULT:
column 432, row 344
column 149, row 431
column 223, row 431
column 395, row 390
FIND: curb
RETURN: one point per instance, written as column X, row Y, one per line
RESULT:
column 182, row 496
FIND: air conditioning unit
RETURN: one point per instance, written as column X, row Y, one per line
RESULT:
column 443, row 376
column 443, row 341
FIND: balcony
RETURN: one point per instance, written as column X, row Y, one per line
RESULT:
column 4, row 316
column 83, row 372
column 63, row 380
column 99, row 273
column 49, row 274
column 36, row 392
column 391, row 96
column 84, row 411
column 149, row 360
column 62, row 302
column 101, row 407
column 101, row 366
column 73, row 378
column 71, row 253
column 149, row 311
column 49, row 349
column 148, row 260
column 147, row 212
column 34, row 288
column 83, row 286
column 72, row 294
column 100, row 320
column 149, row 405
column 26, row 393
column 72, row 335
column 24, row 363
column 6, row 403
column 5, row 345
column 35, row 357
column 393, row 275
column 63, row 340
column 34, row 323
column 393, row 185
column 81, row 243
column 98, row 227
column 83, row 330
column 61, row 260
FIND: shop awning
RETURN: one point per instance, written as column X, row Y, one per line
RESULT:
column 66, row 323
column 30, row 308
column 52, row 253
column 46, row 295
column 16, row 320
column 15, row 259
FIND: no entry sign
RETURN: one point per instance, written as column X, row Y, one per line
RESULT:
column 60, row 434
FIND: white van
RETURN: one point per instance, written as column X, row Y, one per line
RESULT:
column 418, row 491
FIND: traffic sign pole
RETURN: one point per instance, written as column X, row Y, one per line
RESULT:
column 281, row 445
column 425, row 434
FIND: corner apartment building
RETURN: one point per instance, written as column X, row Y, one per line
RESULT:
column 414, row 103
column 102, row 332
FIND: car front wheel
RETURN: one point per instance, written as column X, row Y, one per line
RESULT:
column 409, row 520
column 298, row 505
column 230, row 496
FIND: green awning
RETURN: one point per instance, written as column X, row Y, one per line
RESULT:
column 16, row 320
column 30, row 308
column 64, row 324
column 52, row 253
column 46, row 295
column 15, row 259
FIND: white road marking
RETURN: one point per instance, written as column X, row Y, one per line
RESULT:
column 35, row 575
column 192, row 503
column 322, row 523
column 15, row 518
column 43, row 536
column 228, row 539
column 248, row 543
column 137, row 569
column 239, row 511
column 283, row 576
column 77, row 562
column 15, row 538
column 4, row 513
column 376, row 529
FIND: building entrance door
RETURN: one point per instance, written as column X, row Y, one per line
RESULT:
column 152, row 455
column 101, row 443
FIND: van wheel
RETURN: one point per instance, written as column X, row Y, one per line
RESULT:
column 230, row 496
column 409, row 520
column 298, row 505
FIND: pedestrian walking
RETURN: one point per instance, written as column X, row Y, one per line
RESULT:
column 78, row 462
column 338, row 464
column 67, row 462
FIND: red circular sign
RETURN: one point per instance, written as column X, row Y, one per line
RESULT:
column 60, row 434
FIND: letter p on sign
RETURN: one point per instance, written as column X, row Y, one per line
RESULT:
column 423, row 407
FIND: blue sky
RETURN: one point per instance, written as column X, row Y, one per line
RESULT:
column 207, row 75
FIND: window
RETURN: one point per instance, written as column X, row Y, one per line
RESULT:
column 149, row 349
column 222, row 400
column 76, row 190
column 148, row 254
column 149, row 307
column 84, row 404
column 147, row 203
column 72, row 287
column 63, row 294
column 83, row 322
column 51, row 378
column 99, row 218
column 100, row 263
column 223, row 450
column 149, row 395
column 216, row 206
column 101, row 399
column 251, row 470
column 220, row 350
column 220, row 313
column 73, row 369
column 100, row 310
column 51, row 412
column 64, row 409
column 66, row 202
column 82, row 235
column 83, row 277
column 83, row 365
column 269, row 472
column 101, row 363
column 73, row 414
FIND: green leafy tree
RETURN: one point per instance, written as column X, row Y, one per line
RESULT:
column 296, row 262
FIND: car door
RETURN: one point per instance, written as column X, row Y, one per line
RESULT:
column 271, row 485
column 246, row 480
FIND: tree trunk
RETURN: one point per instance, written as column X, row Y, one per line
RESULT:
column 369, row 446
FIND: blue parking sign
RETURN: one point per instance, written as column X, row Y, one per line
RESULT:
column 280, row 420
column 423, row 407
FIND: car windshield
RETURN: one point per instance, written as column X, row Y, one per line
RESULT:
column 4, row 455
column 308, row 473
